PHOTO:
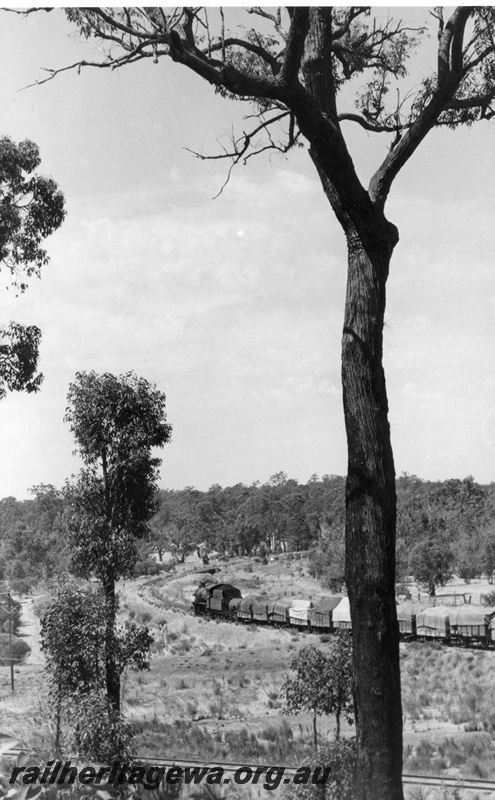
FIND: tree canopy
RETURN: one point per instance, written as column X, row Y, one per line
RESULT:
column 322, row 683
column 295, row 64
column 31, row 208
column 116, row 421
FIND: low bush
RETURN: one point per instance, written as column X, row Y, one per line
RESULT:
column 20, row 649
column 146, row 567
column 340, row 758
column 41, row 604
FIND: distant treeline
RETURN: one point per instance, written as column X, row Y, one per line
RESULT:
column 444, row 528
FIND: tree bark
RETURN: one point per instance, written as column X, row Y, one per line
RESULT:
column 112, row 676
column 370, row 493
column 370, row 521
column 111, row 672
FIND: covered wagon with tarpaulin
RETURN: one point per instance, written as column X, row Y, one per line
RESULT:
column 278, row 611
column 434, row 623
column 321, row 615
column 299, row 613
column 471, row 624
column 407, row 614
column 219, row 597
column 260, row 609
column 341, row 617
column 253, row 609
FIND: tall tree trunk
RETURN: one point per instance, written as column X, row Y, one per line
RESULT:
column 111, row 671
column 370, row 491
column 370, row 521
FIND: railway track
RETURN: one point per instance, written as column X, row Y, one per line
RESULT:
column 229, row 768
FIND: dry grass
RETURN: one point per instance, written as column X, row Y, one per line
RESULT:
column 213, row 687
column 450, row 685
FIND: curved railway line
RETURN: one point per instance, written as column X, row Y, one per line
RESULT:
column 468, row 626
column 209, row 609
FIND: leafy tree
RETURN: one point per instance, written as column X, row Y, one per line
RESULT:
column 31, row 208
column 32, row 545
column 175, row 526
column 322, row 684
column 116, row 422
column 327, row 559
column 300, row 67
column 73, row 638
column 487, row 554
column 432, row 562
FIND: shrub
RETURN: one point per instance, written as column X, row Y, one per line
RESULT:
column 20, row 649
column 340, row 758
column 146, row 567
column 41, row 604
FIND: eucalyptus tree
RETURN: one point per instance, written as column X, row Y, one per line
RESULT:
column 116, row 421
column 322, row 683
column 301, row 68
column 31, row 208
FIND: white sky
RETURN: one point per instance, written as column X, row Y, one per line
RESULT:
column 234, row 306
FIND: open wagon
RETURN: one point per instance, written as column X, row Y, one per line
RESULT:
column 299, row 613
column 321, row 615
column 407, row 614
column 470, row 624
column 341, row 618
column 278, row 611
column 434, row 623
column 253, row 609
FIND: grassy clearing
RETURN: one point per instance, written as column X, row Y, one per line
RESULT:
column 213, row 690
column 449, row 685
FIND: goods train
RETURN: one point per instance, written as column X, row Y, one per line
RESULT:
column 467, row 625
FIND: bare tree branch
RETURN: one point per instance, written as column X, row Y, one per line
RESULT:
column 232, row 41
column 242, row 144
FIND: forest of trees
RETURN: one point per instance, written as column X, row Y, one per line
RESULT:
column 444, row 528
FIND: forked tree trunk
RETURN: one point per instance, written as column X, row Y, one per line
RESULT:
column 370, row 522
column 370, row 492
